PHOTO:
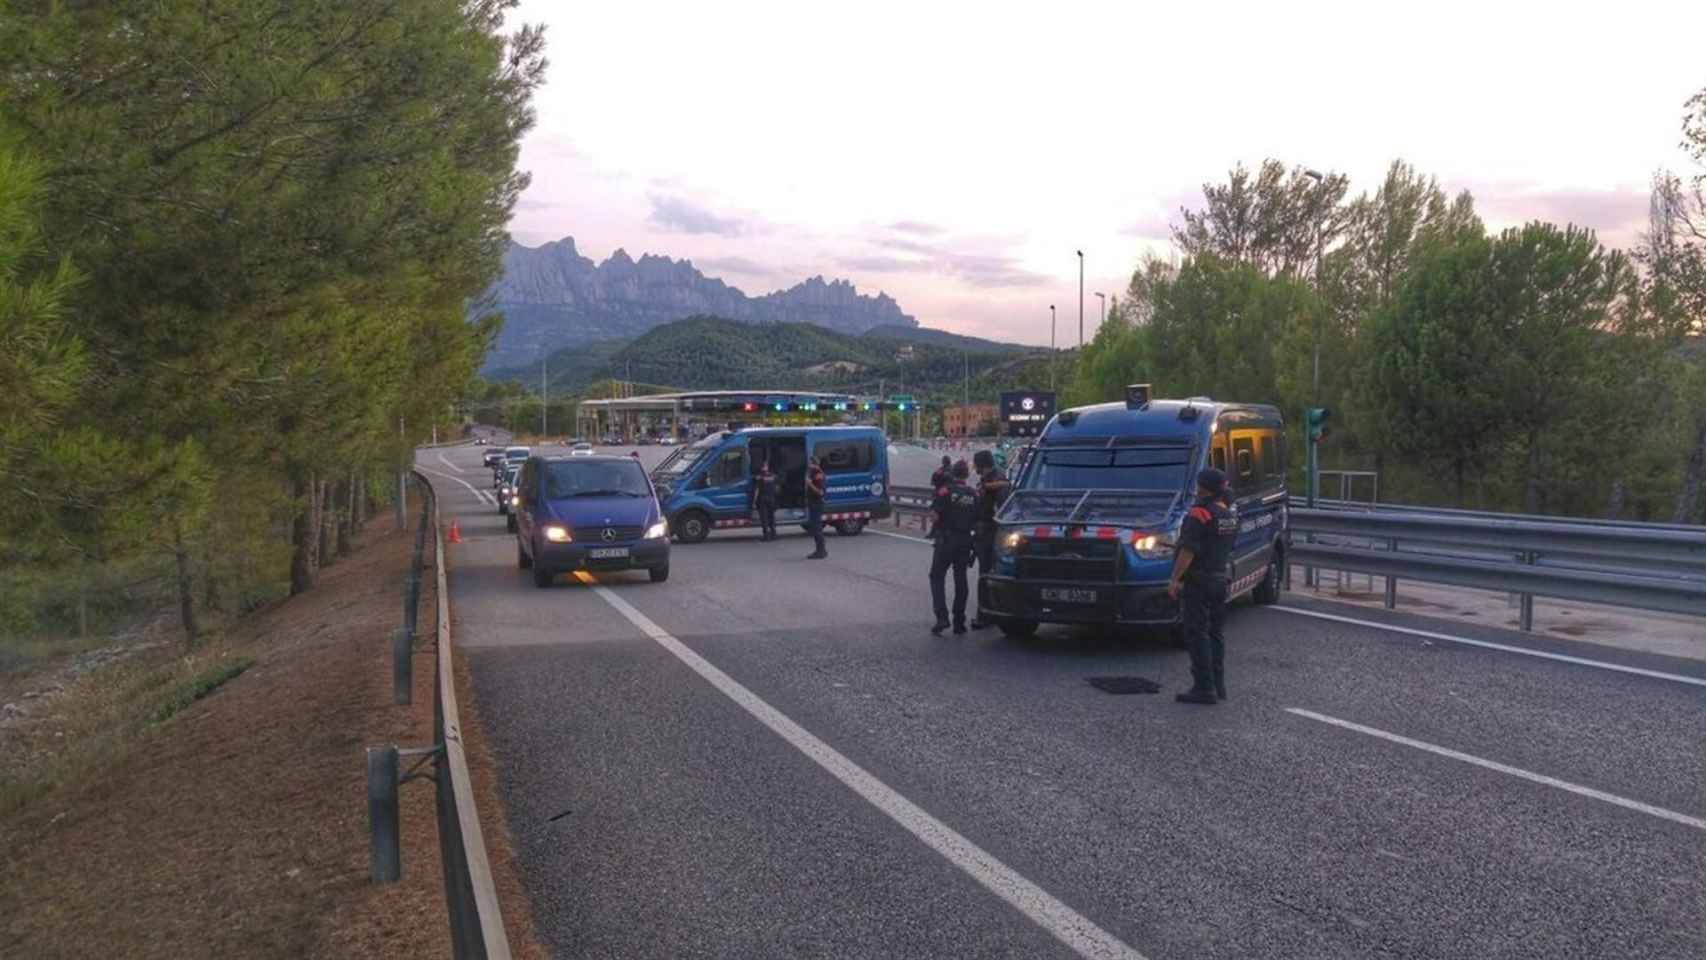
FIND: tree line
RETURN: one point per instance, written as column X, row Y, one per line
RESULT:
column 238, row 239
column 1529, row 369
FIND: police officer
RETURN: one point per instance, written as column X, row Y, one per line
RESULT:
column 943, row 475
column 955, row 509
column 765, row 487
column 1199, row 583
column 814, row 507
column 992, row 487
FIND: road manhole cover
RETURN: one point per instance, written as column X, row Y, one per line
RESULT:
column 1123, row 685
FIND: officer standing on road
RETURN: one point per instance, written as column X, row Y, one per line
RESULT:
column 955, row 509
column 1199, row 583
column 814, row 507
column 943, row 475
column 764, row 492
column 992, row 487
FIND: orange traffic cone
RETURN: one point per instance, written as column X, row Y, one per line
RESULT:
column 455, row 532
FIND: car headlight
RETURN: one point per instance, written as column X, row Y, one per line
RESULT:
column 1011, row 541
column 515, row 501
column 557, row 534
column 657, row 531
column 1149, row 546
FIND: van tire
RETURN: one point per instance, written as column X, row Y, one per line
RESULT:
column 1268, row 591
column 522, row 560
column 849, row 528
column 542, row 575
column 659, row 574
column 691, row 526
column 1019, row 629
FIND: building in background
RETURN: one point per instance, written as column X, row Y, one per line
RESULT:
column 968, row 420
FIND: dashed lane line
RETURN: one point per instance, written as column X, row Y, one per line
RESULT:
column 1065, row 924
column 1530, row 776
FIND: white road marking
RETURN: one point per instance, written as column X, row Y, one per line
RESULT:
column 1490, row 645
column 1540, row 778
column 479, row 494
column 900, row 536
column 1067, row 925
column 454, row 468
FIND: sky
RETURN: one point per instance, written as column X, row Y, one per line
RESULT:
column 956, row 155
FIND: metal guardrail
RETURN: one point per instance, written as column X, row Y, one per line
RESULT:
column 476, row 920
column 1654, row 567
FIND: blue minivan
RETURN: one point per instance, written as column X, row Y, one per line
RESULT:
column 1087, row 535
column 592, row 513
column 708, row 485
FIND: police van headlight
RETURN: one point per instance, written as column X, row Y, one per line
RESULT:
column 658, row 531
column 557, row 534
column 1152, row 546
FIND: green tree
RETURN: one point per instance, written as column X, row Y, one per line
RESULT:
column 1435, row 391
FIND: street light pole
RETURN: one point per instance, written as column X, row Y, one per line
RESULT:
column 1051, row 347
column 544, row 397
column 1080, row 299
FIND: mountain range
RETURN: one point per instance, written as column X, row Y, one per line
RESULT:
column 714, row 353
column 552, row 297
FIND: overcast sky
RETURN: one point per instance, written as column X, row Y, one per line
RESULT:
column 955, row 155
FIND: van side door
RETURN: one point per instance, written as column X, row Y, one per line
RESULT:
column 849, row 468
column 728, row 482
column 1257, row 474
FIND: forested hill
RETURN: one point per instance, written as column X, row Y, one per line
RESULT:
column 713, row 353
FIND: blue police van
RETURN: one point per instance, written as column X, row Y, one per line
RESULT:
column 708, row 485
column 1087, row 534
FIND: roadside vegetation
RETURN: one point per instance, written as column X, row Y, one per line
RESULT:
column 237, row 244
column 1529, row 369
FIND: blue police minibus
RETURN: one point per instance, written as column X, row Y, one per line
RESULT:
column 707, row 485
column 1087, row 535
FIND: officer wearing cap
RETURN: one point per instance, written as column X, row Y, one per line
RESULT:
column 955, row 510
column 1199, row 584
column 992, row 487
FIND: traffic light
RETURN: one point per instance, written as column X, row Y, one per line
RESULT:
column 1316, row 417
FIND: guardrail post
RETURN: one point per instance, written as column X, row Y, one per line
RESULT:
column 1525, row 617
column 1391, row 581
column 385, row 846
column 402, row 666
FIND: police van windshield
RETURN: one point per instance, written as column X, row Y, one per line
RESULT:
column 683, row 459
column 1142, row 468
column 595, row 478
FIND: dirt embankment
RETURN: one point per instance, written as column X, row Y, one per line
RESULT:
column 234, row 824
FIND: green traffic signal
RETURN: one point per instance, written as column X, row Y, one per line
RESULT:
column 1316, row 419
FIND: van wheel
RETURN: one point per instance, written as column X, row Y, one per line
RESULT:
column 1268, row 591
column 850, row 528
column 659, row 574
column 1019, row 629
column 522, row 560
column 692, row 527
column 542, row 575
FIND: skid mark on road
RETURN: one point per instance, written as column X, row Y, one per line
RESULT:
column 1530, row 776
column 1065, row 924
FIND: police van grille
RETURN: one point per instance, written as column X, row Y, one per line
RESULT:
column 1078, row 560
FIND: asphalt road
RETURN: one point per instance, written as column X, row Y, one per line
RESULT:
column 768, row 756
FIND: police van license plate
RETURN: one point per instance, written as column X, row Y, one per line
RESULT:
column 1069, row 595
column 608, row 553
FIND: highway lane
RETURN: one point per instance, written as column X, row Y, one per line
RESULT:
column 1239, row 830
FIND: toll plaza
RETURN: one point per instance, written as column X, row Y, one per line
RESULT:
column 681, row 416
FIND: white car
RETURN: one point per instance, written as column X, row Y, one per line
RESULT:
column 582, row 449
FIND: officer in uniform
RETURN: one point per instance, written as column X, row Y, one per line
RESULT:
column 765, row 487
column 1199, row 584
column 943, row 475
column 992, row 487
column 815, row 482
column 955, row 509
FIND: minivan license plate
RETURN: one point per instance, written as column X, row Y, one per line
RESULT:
column 1069, row 595
column 608, row 553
